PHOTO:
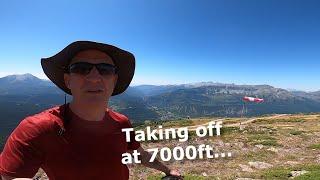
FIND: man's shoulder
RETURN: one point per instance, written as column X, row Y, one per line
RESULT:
column 117, row 116
column 44, row 121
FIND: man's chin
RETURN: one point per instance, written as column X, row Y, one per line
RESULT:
column 95, row 102
column 92, row 98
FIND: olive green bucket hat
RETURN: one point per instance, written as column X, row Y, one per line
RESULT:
column 54, row 67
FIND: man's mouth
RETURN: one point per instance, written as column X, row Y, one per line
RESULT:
column 95, row 91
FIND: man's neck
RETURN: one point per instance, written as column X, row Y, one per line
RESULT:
column 88, row 112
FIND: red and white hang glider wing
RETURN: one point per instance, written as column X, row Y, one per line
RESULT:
column 252, row 99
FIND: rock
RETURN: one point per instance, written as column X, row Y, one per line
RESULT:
column 318, row 158
column 260, row 165
column 273, row 149
column 204, row 174
column 41, row 175
column 297, row 173
column 220, row 143
column 239, row 144
column 260, row 146
column 246, row 168
column 291, row 163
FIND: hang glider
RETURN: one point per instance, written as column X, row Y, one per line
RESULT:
column 252, row 99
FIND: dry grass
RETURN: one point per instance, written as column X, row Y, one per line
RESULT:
column 288, row 142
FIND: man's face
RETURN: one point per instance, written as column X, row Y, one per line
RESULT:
column 92, row 88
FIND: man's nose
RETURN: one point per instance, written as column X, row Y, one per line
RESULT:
column 93, row 75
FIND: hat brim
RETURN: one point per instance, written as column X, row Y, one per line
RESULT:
column 54, row 67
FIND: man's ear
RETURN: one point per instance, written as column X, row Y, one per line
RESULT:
column 66, row 78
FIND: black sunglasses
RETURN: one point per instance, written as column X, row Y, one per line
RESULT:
column 84, row 68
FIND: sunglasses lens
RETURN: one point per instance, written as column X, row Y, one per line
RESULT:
column 84, row 68
column 106, row 69
column 80, row 68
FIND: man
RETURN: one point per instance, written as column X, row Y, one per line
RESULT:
column 81, row 139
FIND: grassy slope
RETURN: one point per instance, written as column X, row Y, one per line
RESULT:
column 289, row 143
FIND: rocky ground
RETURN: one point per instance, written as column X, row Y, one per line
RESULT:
column 269, row 147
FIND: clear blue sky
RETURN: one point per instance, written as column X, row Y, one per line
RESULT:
column 274, row 42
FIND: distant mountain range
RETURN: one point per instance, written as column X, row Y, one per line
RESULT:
column 22, row 95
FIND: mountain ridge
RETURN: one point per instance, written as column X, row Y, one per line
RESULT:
column 23, row 95
column 154, row 102
column 29, row 76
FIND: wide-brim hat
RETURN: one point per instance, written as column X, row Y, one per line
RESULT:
column 54, row 67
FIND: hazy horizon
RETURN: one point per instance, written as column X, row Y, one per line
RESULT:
column 134, row 84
